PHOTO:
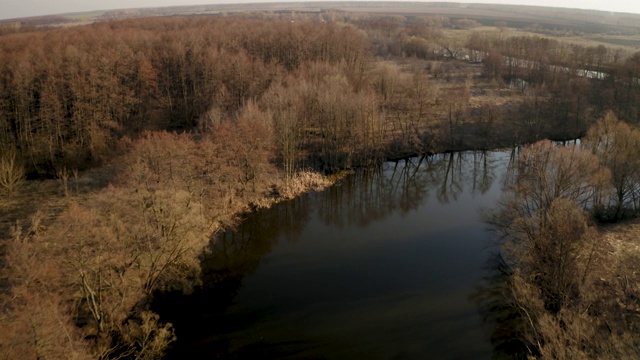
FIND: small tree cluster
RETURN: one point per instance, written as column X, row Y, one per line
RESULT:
column 11, row 171
column 617, row 145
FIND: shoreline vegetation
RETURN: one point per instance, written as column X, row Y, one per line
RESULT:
column 141, row 139
column 70, row 255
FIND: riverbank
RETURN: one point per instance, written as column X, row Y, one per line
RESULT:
column 83, row 257
column 368, row 254
column 106, row 225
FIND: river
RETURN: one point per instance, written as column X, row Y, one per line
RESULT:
column 380, row 266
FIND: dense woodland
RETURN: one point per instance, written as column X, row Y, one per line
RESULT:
column 68, row 95
column 196, row 118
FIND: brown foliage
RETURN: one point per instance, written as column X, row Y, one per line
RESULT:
column 546, row 171
column 36, row 317
column 320, row 119
column 95, row 265
column 104, row 259
column 617, row 145
column 246, row 147
column 11, row 171
column 560, row 285
column 70, row 94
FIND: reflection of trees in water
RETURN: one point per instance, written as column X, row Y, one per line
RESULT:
column 483, row 173
column 410, row 188
column 499, row 310
column 239, row 250
column 453, row 171
column 511, row 173
column 200, row 318
column 371, row 195
column 452, row 178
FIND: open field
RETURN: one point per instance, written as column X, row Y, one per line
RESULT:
column 631, row 41
column 579, row 27
column 627, row 44
column 588, row 21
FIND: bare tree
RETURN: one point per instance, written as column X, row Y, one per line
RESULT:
column 11, row 171
column 617, row 145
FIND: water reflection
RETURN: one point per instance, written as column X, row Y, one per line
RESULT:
column 200, row 319
column 237, row 252
column 371, row 195
column 498, row 310
column 484, row 172
column 396, row 247
column 402, row 186
column 494, row 296
column 511, row 173
column 454, row 171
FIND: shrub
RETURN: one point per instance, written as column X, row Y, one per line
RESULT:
column 11, row 171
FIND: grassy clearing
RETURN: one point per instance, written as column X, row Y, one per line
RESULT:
column 630, row 42
column 624, row 238
column 626, row 43
column 48, row 197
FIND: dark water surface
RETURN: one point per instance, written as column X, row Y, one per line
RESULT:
column 380, row 266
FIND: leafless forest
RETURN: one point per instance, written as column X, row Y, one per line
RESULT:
column 125, row 144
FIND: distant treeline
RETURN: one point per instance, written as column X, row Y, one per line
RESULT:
column 557, row 73
column 554, row 65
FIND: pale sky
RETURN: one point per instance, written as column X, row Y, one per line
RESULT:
column 23, row 8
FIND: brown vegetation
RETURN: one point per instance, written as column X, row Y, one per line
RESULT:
column 100, row 261
column 11, row 172
column 204, row 118
column 562, row 288
column 617, row 145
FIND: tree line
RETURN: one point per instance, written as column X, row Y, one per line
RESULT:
column 565, row 86
column 68, row 95
column 565, row 71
